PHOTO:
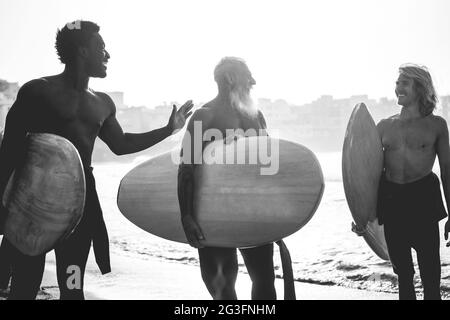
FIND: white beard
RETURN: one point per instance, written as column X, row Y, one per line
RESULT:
column 243, row 103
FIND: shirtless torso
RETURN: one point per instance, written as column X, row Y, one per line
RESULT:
column 218, row 114
column 411, row 145
column 49, row 105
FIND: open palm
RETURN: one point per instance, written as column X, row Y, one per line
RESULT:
column 178, row 117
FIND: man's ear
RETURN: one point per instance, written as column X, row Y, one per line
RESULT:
column 230, row 79
column 83, row 52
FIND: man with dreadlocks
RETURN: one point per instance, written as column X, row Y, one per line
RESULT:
column 409, row 202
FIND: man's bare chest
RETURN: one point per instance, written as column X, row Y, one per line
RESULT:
column 69, row 109
column 413, row 137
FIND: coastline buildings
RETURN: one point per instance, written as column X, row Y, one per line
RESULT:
column 320, row 125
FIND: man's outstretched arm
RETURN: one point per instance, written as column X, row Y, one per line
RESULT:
column 125, row 143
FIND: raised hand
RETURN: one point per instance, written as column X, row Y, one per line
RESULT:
column 178, row 118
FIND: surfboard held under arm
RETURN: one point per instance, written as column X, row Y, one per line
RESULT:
column 362, row 164
column 45, row 195
column 242, row 196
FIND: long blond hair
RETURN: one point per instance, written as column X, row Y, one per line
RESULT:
column 423, row 84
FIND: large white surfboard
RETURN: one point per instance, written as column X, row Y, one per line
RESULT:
column 235, row 205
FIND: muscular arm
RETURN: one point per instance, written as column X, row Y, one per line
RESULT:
column 380, row 129
column 190, row 157
column 125, row 143
column 443, row 153
column 186, row 189
column 15, row 134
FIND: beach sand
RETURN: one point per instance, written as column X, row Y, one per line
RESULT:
column 151, row 278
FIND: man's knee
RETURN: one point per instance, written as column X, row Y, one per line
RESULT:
column 220, row 285
column 217, row 263
column 263, row 277
column 219, row 275
column 264, row 281
column 207, row 275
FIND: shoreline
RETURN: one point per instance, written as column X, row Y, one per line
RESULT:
column 155, row 279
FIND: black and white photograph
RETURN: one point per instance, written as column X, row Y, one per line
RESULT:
column 239, row 150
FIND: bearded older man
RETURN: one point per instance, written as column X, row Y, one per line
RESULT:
column 230, row 111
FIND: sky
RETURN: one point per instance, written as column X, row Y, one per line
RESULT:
column 163, row 51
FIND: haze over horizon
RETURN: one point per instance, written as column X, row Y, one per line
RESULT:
column 297, row 50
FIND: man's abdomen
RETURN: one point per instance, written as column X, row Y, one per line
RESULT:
column 408, row 165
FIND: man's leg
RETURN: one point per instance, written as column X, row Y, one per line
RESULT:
column 219, row 269
column 399, row 248
column 429, row 260
column 71, row 259
column 259, row 262
column 27, row 273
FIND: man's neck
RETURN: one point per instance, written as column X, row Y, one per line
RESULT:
column 410, row 112
column 224, row 96
column 76, row 78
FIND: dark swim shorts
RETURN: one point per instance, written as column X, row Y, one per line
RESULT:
column 419, row 201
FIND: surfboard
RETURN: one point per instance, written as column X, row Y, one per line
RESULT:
column 236, row 205
column 362, row 164
column 45, row 195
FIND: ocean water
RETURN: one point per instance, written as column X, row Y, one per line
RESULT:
column 325, row 251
